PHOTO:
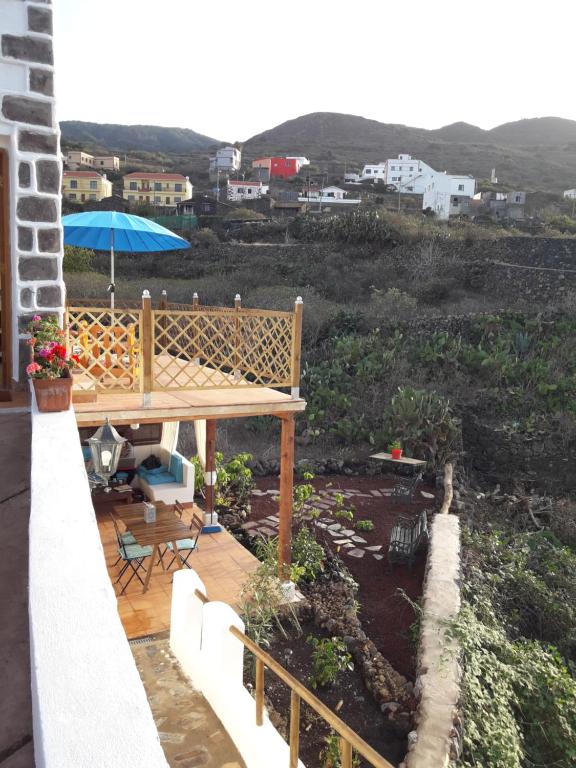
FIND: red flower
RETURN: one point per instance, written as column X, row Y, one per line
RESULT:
column 75, row 358
column 59, row 351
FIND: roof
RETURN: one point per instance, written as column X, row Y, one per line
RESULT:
column 83, row 174
column 166, row 176
column 237, row 183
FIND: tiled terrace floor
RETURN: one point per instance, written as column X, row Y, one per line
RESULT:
column 221, row 562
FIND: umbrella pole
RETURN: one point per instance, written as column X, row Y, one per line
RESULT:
column 112, row 271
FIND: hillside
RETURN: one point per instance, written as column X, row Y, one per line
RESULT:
column 539, row 153
column 149, row 138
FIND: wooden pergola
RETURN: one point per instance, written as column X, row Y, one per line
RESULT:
column 141, row 364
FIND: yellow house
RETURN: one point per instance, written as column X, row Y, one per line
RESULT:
column 81, row 186
column 164, row 189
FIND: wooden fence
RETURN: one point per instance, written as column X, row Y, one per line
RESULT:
column 179, row 346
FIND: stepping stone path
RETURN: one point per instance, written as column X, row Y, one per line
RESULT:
column 345, row 538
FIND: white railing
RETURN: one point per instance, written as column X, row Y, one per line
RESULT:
column 89, row 705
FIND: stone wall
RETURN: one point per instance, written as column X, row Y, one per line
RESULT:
column 436, row 739
column 29, row 133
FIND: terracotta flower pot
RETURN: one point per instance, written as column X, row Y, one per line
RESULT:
column 53, row 394
column 396, row 453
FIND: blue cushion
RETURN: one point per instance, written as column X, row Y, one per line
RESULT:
column 164, row 477
column 143, row 472
column 86, row 452
column 176, row 467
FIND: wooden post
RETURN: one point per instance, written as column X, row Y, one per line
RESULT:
column 195, row 301
column 163, row 340
column 448, row 488
column 259, row 691
column 345, row 753
column 164, row 300
column 294, row 728
column 286, row 488
column 147, row 348
column 237, row 308
column 210, row 473
column 194, row 341
column 296, row 347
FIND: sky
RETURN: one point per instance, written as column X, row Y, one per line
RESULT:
column 233, row 68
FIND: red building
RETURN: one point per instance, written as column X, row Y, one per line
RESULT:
column 279, row 167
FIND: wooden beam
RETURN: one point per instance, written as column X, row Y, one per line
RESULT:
column 286, row 489
column 448, row 488
column 209, row 493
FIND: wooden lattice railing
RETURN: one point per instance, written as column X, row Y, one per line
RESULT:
column 179, row 346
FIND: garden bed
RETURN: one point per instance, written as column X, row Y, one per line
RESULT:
column 386, row 615
column 348, row 697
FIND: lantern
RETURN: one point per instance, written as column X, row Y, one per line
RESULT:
column 106, row 447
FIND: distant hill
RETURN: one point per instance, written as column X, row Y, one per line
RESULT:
column 538, row 153
column 148, row 138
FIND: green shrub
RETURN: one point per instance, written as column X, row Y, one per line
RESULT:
column 77, row 259
column 329, row 658
column 364, row 525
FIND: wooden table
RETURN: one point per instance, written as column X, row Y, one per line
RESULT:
column 401, row 460
column 103, row 500
column 166, row 528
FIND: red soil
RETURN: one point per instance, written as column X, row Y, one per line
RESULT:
column 385, row 614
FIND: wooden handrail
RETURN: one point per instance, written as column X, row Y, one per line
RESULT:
column 349, row 739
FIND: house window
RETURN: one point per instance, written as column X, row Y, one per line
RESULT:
column 156, row 198
column 517, row 199
column 249, row 191
column 133, row 185
column 131, row 198
column 177, row 199
column 177, row 187
column 460, row 187
column 368, row 171
column 455, row 202
column 167, row 201
column 72, row 196
column 92, row 196
column 393, row 168
column 94, row 184
column 73, row 184
column 411, row 167
column 157, row 186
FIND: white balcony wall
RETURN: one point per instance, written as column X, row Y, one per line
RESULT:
column 212, row 657
column 89, row 705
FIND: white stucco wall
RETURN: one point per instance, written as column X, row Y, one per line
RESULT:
column 212, row 657
column 89, row 706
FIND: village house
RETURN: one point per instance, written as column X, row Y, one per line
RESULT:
column 226, row 160
column 81, row 186
column 162, row 189
column 281, row 167
column 245, row 190
column 75, row 159
column 448, row 195
column 327, row 196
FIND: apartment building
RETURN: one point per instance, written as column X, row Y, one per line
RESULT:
column 82, row 186
column 162, row 189
column 76, row 159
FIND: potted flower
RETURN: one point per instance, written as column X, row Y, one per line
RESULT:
column 395, row 449
column 50, row 368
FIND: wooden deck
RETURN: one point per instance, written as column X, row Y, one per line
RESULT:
column 180, row 405
column 221, row 562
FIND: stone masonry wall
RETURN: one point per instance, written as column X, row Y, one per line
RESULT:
column 29, row 133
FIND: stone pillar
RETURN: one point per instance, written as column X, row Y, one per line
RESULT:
column 30, row 135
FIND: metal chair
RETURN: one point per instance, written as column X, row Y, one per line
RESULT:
column 183, row 545
column 127, row 537
column 404, row 489
column 406, row 536
column 133, row 556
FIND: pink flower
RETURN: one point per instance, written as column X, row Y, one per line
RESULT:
column 45, row 352
column 36, row 319
column 33, row 368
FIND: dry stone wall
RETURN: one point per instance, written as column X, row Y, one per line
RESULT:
column 29, row 133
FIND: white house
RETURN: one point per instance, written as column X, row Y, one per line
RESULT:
column 327, row 195
column 374, row 172
column 300, row 161
column 447, row 195
column 245, row 190
column 570, row 194
column 227, row 159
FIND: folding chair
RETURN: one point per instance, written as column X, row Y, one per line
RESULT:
column 133, row 556
column 184, row 544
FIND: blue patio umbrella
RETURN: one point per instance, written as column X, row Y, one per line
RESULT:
column 122, row 232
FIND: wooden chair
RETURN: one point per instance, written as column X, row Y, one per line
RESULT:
column 406, row 536
column 183, row 545
column 133, row 556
